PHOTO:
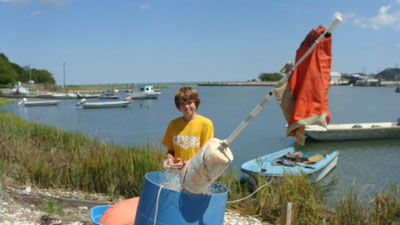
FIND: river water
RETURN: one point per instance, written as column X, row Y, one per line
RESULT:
column 364, row 165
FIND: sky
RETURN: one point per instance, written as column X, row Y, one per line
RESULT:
column 158, row 41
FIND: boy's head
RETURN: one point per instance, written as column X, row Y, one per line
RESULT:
column 185, row 94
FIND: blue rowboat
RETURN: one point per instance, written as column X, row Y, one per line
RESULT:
column 282, row 162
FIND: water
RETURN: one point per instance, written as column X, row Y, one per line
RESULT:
column 361, row 163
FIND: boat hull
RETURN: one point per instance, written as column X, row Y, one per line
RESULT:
column 264, row 166
column 95, row 105
column 41, row 103
column 360, row 131
column 146, row 92
column 141, row 96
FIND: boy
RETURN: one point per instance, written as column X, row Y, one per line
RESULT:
column 186, row 134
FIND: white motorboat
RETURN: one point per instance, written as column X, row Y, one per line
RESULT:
column 146, row 92
column 25, row 102
column 104, row 104
column 62, row 95
column 18, row 90
column 353, row 131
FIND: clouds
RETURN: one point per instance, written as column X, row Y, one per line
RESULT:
column 35, row 13
column 52, row 3
column 386, row 17
column 147, row 5
column 16, row 1
column 41, row 2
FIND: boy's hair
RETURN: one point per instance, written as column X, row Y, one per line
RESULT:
column 185, row 94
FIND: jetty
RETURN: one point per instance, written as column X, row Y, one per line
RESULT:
column 239, row 83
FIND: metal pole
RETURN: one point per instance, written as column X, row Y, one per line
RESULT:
column 30, row 73
column 64, row 75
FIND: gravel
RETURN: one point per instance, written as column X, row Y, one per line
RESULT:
column 25, row 206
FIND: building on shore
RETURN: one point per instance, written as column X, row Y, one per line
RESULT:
column 389, row 74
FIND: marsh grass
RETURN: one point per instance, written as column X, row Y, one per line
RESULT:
column 384, row 208
column 52, row 158
column 387, row 206
column 308, row 206
column 5, row 101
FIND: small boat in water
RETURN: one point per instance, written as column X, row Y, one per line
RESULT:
column 25, row 102
column 110, row 94
column 397, row 89
column 104, row 104
column 289, row 162
column 53, row 95
column 353, row 131
column 86, row 95
column 146, row 92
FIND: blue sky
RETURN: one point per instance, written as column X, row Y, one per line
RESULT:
column 151, row 41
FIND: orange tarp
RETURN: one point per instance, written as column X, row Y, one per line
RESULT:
column 304, row 98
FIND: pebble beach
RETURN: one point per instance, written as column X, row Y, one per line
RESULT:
column 26, row 206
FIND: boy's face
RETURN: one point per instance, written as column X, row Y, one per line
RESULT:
column 187, row 108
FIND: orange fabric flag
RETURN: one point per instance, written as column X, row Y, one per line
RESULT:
column 304, row 98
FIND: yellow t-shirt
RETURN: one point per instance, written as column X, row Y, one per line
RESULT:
column 186, row 138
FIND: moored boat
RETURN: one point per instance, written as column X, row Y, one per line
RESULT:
column 25, row 102
column 86, row 95
column 353, row 131
column 286, row 161
column 146, row 92
column 104, row 104
column 110, row 94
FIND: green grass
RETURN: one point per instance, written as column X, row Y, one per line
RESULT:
column 5, row 101
column 50, row 157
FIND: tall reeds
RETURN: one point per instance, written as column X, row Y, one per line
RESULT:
column 50, row 157
column 5, row 101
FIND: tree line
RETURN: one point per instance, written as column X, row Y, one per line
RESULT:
column 11, row 73
column 270, row 76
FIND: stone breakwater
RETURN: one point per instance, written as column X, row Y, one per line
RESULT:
column 25, row 206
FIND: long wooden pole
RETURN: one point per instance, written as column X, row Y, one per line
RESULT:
column 269, row 96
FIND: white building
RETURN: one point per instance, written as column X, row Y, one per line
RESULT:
column 335, row 78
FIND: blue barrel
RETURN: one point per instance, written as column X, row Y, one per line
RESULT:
column 179, row 207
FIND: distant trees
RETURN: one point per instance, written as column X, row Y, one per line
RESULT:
column 7, row 73
column 270, row 76
column 11, row 73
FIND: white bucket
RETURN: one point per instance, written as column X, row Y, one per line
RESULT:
column 205, row 167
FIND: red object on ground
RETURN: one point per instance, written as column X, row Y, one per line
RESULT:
column 121, row 213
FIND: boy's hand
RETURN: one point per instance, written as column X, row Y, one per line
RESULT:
column 169, row 163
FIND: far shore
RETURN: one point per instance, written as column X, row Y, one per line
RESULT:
column 274, row 83
column 239, row 83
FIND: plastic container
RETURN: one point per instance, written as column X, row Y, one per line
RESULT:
column 96, row 213
column 173, row 207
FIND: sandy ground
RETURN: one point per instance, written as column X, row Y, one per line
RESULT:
column 26, row 205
